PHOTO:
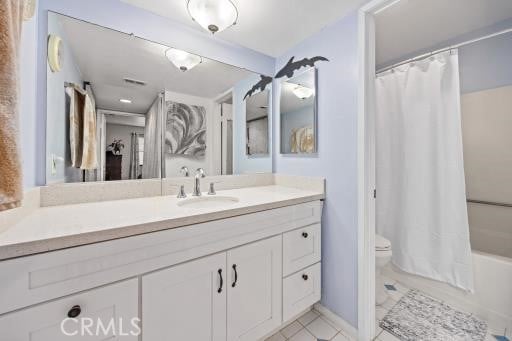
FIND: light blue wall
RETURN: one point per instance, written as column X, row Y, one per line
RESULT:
column 243, row 163
column 28, row 120
column 483, row 65
column 57, row 120
column 336, row 159
column 486, row 64
column 123, row 17
column 293, row 120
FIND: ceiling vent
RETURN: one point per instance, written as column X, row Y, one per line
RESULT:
column 134, row 82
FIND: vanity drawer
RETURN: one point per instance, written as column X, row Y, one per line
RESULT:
column 116, row 302
column 301, row 248
column 301, row 290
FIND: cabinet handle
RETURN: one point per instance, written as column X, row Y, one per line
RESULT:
column 221, row 281
column 236, row 276
column 305, row 234
column 74, row 311
column 305, row 277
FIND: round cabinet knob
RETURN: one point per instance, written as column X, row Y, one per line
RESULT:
column 305, row 234
column 74, row 311
column 305, row 277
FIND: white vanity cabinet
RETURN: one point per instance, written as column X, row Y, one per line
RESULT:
column 254, row 290
column 233, row 279
column 186, row 302
column 94, row 311
column 194, row 300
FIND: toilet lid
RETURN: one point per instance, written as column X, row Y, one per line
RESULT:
column 382, row 243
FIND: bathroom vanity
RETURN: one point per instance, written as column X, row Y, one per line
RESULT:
column 189, row 269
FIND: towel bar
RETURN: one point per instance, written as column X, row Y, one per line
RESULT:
column 492, row 203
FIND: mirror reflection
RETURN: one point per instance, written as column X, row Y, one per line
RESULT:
column 257, row 123
column 298, row 114
column 120, row 108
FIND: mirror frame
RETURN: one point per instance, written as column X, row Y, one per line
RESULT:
column 315, row 116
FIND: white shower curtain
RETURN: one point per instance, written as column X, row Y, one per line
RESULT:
column 152, row 140
column 421, row 201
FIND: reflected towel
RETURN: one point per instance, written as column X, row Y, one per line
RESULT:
column 82, row 129
column 11, row 17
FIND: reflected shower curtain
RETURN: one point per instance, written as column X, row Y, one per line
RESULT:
column 152, row 140
column 421, row 201
column 134, row 157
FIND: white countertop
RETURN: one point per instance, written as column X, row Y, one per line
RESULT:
column 52, row 228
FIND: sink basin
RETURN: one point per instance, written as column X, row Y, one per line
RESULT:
column 208, row 202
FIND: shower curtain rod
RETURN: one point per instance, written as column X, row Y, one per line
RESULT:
column 451, row 47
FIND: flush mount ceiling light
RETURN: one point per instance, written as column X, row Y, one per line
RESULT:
column 303, row 92
column 213, row 15
column 183, row 60
column 124, row 100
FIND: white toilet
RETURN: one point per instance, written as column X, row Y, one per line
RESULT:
column 382, row 257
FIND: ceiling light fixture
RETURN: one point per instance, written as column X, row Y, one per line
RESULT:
column 303, row 92
column 124, row 100
column 183, row 60
column 213, row 15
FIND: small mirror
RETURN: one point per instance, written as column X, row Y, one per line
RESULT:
column 256, row 116
column 298, row 114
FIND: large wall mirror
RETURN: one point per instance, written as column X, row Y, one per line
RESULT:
column 298, row 114
column 120, row 107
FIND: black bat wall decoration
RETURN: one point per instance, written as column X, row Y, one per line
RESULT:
column 291, row 66
column 261, row 85
column 288, row 70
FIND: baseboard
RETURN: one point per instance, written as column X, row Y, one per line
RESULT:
column 338, row 321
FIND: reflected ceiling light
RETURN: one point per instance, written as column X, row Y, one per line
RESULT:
column 124, row 100
column 303, row 92
column 213, row 15
column 183, row 60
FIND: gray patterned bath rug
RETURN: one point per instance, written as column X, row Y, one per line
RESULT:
column 417, row 317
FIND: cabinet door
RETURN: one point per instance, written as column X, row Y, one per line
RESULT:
column 186, row 302
column 254, row 289
column 102, row 314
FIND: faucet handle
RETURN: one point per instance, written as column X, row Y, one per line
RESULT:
column 181, row 193
column 201, row 172
column 184, row 171
column 211, row 191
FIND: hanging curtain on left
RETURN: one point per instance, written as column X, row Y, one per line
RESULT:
column 135, row 169
column 82, row 129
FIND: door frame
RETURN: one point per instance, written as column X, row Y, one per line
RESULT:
column 366, row 166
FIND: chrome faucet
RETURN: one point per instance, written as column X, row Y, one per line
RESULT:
column 184, row 171
column 197, row 185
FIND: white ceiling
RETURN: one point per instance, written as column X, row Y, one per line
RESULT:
column 413, row 25
column 268, row 26
column 105, row 57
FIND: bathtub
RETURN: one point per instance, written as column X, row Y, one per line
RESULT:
column 492, row 299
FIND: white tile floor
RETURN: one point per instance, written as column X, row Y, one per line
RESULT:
column 493, row 334
column 311, row 326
